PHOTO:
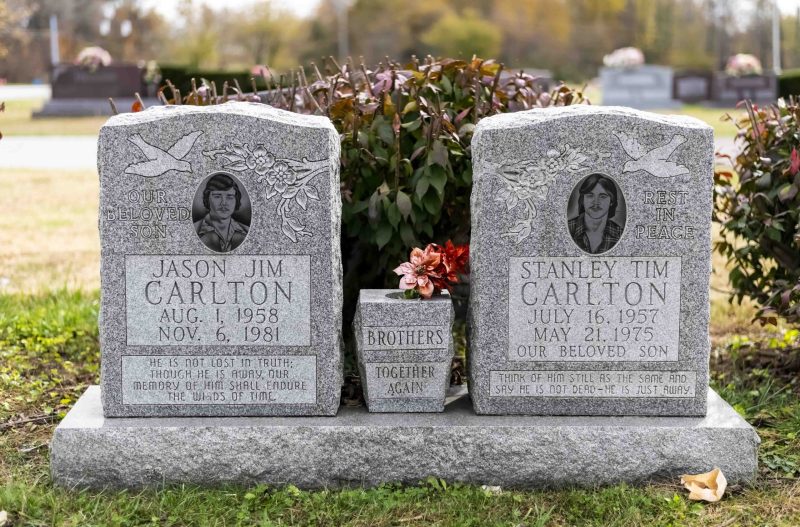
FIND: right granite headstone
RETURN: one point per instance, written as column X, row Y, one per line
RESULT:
column 591, row 248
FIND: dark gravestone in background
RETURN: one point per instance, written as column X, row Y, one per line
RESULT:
column 692, row 86
column 729, row 90
column 78, row 82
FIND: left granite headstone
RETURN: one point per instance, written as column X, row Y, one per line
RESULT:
column 221, row 267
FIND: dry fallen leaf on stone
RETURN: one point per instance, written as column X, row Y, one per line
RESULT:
column 707, row 487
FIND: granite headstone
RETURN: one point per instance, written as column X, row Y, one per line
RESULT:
column 590, row 250
column 220, row 262
column 405, row 350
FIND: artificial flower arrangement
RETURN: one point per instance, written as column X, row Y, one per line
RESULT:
column 624, row 58
column 743, row 64
column 93, row 57
column 430, row 271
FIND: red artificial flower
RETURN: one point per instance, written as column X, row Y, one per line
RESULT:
column 454, row 262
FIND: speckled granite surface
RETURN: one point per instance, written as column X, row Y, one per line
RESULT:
column 582, row 308
column 361, row 448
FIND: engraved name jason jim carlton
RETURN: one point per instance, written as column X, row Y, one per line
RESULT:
column 591, row 262
column 221, row 274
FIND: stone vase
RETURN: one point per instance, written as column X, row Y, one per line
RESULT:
column 405, row 350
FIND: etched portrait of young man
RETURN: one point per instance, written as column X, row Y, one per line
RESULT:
column 597, row 224
column 220, row 219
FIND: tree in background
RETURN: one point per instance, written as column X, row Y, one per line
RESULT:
column 12, row 14
column 131, row 32
column 568, row 37
column 534, row 33
column 463, row 35
column 123, row 27
column 197, row 42
column 268, row 36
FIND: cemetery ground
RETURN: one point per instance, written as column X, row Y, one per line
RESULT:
column 49, row 354
column 17, row 121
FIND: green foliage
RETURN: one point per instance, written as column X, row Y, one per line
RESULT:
column 456, row 35
column 388, row 505
column 49, row 351
column 759, row 211
column 406, row 165
column 761, row 383
column 789, row 84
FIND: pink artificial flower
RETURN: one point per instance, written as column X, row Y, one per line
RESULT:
column 417, row 273
column 794, row 162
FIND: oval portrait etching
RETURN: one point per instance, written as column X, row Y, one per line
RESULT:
column 596, row 213
column 221, row 212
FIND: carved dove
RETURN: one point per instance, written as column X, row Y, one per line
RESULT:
column 655, row 161
column 161, row 161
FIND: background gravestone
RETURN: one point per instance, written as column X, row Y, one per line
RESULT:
column 198, row 321
column 692, row 86
column 729, row 90
column 645, row 86
column 564, row 325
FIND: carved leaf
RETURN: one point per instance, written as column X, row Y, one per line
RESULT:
column 288, row 231
column 294, row 223
column 524, row 233
column 312, row 192
column 237, row 166
column 539, row 193
column 520, row 231
column 512, row 201
column 290, row 192
column 301, row 198
column 513, row 172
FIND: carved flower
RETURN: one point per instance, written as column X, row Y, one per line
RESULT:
column 283, row 175
column 573, row 159
column 553, row 162
column 260, row 160
column 535, row 188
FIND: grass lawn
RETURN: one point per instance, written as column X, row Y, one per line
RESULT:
column 18, row 120
column 49, row 242
column 49, row 353
column 711, row 116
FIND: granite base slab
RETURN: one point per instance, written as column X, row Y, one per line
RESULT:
column 360, row 448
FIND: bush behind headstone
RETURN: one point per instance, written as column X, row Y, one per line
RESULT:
column 759, row 212
column 789, row 83
column 405, row 130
